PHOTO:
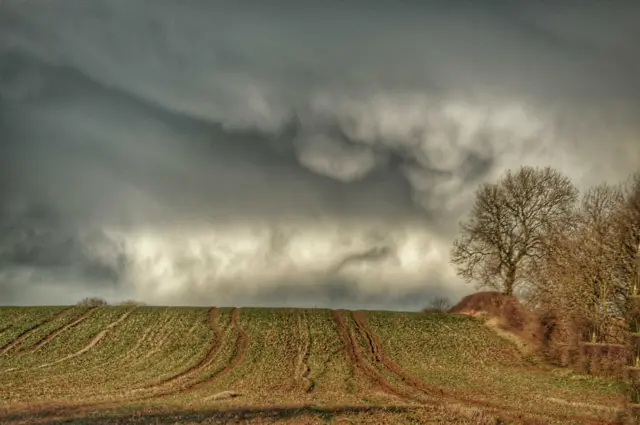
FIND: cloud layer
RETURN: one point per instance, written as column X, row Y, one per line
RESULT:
column 274, row 153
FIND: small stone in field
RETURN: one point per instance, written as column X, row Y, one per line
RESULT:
column 224, row 395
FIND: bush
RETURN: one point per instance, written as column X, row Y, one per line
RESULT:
column 93, row 302
column 437, row 305
column 132, row 303
column 507, row 311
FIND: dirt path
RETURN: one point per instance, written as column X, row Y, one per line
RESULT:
column 413, row 382
column 48, row 338
column 96, row 339
column 24, row 335
column 302, row 366
column 359, row 364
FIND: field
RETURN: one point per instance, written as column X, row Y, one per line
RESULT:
column 170, row 365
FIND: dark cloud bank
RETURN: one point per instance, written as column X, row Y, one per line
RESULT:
column 288, row 153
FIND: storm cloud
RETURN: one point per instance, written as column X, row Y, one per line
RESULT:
column 288, row 153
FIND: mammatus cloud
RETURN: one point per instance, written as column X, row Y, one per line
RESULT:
column 266, row 153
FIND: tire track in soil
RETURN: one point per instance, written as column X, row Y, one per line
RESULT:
column 160, row 329
column 218, row 337
column 209, row 356
column 24, row 335
column 129, row 353
column 302, row 366
column 413, row 382
column 242, row 342
column 359, row 364
column 163, row 339
column 95, row 340
column 48, row 338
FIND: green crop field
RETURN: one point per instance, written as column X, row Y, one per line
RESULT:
column 170, row 365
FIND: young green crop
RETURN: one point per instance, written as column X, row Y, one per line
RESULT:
column 145, row 358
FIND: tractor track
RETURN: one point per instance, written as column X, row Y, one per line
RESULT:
column 149, row 335
column 24, row 335
column 241, row 345
column 211, row 353
column 416, row 384
column 302, row 365
column 359, row 364
column 129, row 353
column 94, row 341
column 163, row 339
column 48, row 338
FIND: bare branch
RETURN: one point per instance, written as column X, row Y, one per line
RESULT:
column 505, row 234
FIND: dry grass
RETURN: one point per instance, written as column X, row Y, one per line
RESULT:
column 186, row 365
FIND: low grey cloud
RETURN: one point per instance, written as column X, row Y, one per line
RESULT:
column 275, row 152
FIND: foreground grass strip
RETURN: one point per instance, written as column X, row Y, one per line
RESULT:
column 96, row 339
column 48, row 338
column 297, row 413
column 26, row 333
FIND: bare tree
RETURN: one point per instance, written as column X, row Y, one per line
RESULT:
column 628, row 269
column 594, row 255
column 438, row 304
column 131, row 303
column 579, row 275
column 92, row 302
column 505, row 236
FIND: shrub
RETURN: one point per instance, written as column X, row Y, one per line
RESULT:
column 132, row 303
column 437, row 305
column 93, row 302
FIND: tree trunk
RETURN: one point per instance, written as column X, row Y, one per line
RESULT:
column 510, row 281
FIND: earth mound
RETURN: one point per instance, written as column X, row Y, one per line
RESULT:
column 503, row 312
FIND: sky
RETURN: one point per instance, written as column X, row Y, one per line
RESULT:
column 289, row 153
